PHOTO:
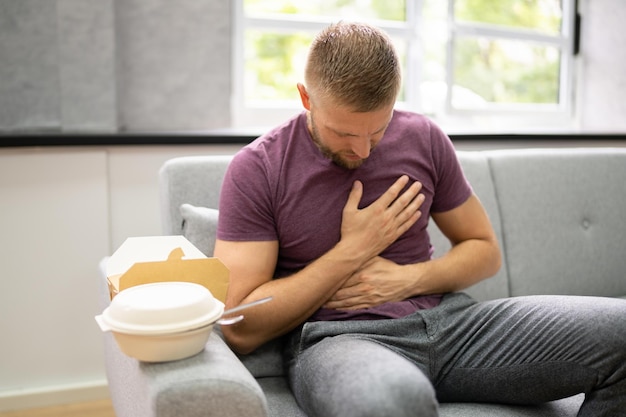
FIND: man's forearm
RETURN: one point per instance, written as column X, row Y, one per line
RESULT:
column 295, row 298
column 464, row 265
column 380, row 280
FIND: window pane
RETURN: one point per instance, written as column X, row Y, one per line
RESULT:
column 503, row 71
column 433, row 41
column 347, row 9
column 274, row 64
column 542, row 15
column 489, row 67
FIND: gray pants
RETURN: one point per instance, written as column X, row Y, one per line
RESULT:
column 523, row 350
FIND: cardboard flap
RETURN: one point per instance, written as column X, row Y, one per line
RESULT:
column 176, row 254
column 149, row 249
column 143, row 260
column 209, row 272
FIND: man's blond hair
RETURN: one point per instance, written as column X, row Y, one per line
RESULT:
column 353, row 65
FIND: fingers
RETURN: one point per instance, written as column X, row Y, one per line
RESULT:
column 376, row 226
column 405, row 208
column 407, row 197
column 389, row 197
column 392, row 193
column 411, row 200
column 355, row 196
column 402, row 207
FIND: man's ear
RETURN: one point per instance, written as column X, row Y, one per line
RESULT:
column 304, row 96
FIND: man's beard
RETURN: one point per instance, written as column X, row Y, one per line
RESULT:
column 328, row 153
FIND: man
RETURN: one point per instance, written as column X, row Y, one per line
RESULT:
column 328, row 213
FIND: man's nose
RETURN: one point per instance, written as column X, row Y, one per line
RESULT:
column 361, row 147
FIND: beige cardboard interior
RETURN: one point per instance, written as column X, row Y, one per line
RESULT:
column 151, row 259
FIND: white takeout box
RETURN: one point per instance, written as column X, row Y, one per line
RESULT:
column 161, row 321
column 143, row 260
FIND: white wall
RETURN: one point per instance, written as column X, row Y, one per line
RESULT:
column 602, row 106
column 54, row 224
column 63, row 210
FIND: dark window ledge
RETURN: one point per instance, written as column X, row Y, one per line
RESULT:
column 230, row 138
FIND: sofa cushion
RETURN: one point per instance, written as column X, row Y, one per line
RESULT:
column 266, row 361
column 476, row 168
column 194, row 180
column 563, row 219
column 280, row 400
column 567, row 407
column 199, row 226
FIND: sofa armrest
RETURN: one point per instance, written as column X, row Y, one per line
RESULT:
column 213, row 382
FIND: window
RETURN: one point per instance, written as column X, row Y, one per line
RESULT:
column 469, row 64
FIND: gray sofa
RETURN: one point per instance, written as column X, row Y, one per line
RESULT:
column 560, row 215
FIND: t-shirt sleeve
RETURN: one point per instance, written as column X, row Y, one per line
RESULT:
column 245, row 207
column 452, row 188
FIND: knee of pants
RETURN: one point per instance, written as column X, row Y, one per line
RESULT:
column 357, row 378
column 401, row 394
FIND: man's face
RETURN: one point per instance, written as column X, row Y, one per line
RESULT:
column 347, row 137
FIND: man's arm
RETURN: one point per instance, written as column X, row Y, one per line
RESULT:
column 364, row 234
column 474, row 256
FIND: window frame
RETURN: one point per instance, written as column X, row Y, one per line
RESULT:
column 493, row 117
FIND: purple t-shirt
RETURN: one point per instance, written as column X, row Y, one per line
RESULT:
column 281, row 187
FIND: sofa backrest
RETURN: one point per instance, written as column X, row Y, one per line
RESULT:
column 563, row 214
column 559, row 215
column 194, row 180
column 477, row 170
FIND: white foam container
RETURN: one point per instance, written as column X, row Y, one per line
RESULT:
column 162, row 321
